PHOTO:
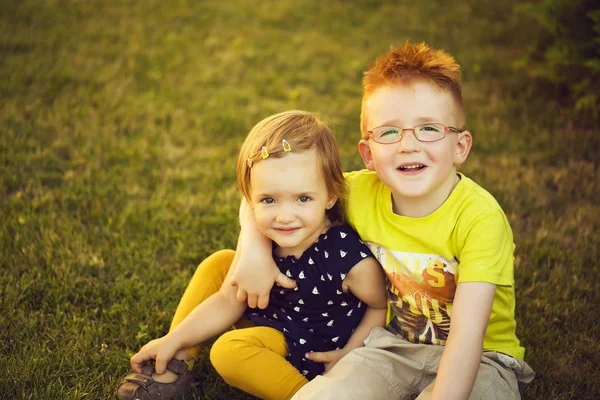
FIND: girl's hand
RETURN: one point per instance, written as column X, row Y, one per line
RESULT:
column 162, row 350
column 329, row 358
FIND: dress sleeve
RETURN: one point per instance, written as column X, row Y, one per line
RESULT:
column 347, row 249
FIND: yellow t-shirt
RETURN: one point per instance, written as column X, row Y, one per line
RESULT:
column 467, row 239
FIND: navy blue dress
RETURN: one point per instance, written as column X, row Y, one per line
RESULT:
column 316, row 315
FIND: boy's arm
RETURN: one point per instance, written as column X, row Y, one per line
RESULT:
column 367, row 282
column 211, row 317
column 462, row 355
column 254, row 270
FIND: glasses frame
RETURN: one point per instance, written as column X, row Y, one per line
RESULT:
column 447, row 129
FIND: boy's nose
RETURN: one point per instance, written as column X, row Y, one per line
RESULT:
column 408, row 142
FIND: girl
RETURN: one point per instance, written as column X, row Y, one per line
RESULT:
column 289, row 173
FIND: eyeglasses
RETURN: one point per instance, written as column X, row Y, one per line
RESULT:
column 424, row 133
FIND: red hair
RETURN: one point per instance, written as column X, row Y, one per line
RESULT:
column 409, row 62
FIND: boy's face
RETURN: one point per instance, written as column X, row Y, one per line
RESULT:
column 421, row 175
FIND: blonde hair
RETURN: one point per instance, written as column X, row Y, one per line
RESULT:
column 407, row 63
column 303, row 131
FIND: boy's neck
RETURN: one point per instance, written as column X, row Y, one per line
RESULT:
column 418, row 207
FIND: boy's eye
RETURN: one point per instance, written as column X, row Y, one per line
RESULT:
column 429, row 128
column 388, row 131
column 267, row 200
column 304, row 199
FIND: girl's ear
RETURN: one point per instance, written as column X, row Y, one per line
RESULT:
column 365, row 152
column 331, row 202
column 463, row 147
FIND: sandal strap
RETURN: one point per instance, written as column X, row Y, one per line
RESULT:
column 143, row 380
column 177, row 366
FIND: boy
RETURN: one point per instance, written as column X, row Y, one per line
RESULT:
column 443, row 241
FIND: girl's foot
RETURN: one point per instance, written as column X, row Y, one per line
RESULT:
column 169, row 376
column 144, row 387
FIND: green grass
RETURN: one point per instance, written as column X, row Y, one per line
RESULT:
column 120, row 123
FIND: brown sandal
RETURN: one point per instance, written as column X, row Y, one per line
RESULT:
column 142, row 387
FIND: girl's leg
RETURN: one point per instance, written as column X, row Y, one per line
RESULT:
column 207, row 280
column 253, row 360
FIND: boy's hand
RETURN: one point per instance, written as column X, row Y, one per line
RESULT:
column 162, row 350
column 254, row 285
column 329, row 358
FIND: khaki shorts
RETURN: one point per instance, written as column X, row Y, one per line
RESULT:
column 389, row 367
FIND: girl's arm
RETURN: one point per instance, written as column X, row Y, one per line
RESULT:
column 367, row 282
column 254, row 270
column 210, row 318
column 462, row 355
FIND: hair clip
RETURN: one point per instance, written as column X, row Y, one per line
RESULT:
column 286, row 146
column 249, row 163
column 264, row 152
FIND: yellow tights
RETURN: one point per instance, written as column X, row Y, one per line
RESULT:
column 251, row 358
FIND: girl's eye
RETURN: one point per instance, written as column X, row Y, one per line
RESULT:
column 304, row 199
column 267, row 200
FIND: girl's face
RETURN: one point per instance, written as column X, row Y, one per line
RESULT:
column 289, row 197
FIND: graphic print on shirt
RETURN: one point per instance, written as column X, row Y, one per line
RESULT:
column 421, row 290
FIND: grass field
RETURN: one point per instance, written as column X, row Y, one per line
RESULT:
column 120, row 122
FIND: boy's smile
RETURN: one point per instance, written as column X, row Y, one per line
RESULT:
column 421, row 175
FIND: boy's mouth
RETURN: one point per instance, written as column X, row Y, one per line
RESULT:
column 411, row 167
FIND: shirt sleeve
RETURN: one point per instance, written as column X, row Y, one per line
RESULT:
column 487, row 253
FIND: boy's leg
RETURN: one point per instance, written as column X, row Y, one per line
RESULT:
column 499, row 377
column 253, row 360
column 388, row 367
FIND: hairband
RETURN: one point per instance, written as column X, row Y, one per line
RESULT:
column 264, row 153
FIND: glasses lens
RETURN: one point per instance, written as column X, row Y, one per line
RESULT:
column 430, row 132
column 387, row 134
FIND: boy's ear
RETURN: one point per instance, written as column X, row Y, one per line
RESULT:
column 463, row 147
column 365, row 152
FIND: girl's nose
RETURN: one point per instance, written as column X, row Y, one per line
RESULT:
column 284, row 215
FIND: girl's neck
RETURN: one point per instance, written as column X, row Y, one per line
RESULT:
column 297, row 252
